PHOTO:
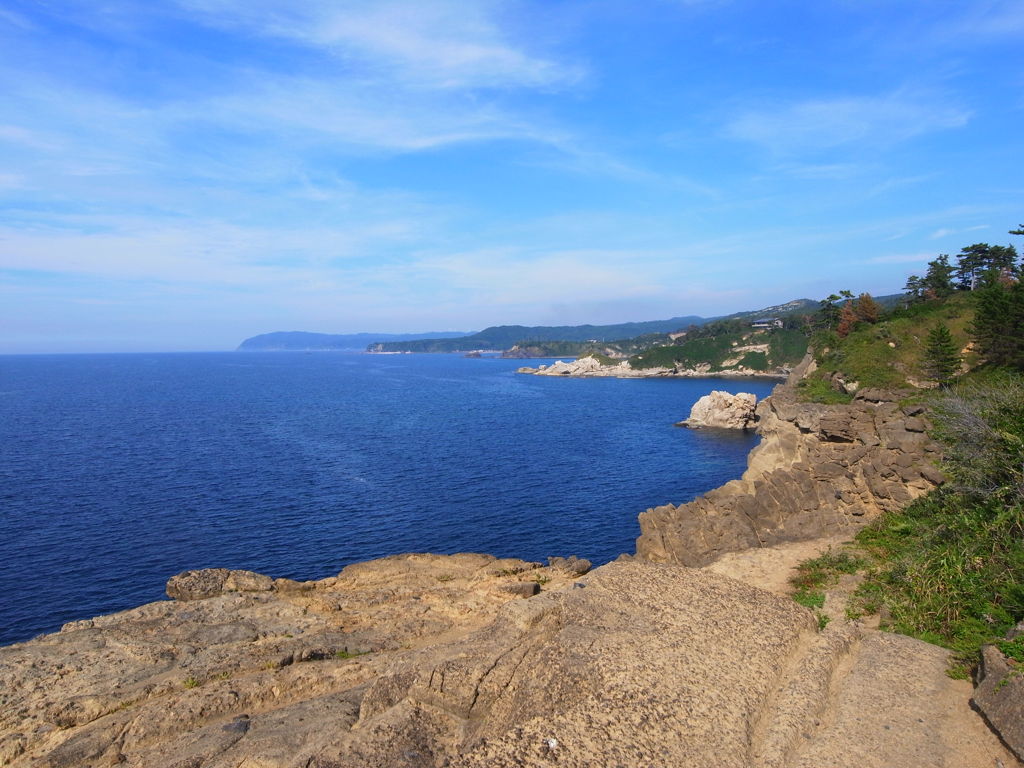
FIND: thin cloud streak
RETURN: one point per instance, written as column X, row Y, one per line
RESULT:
column 816, row 125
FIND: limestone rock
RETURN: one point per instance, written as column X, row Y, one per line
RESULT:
column 723, row 410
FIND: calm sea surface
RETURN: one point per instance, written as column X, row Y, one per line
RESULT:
column 118, row 471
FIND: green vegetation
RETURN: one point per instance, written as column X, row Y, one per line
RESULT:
column 816, row 389
column 344, row 653
column 191, row 682
column 941, row 359
column 721, row 346
column 814, row 576
column 950, row 567
column 755, row 361
column 895, row 349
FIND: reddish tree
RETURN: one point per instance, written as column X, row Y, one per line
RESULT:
column 867, row 309
column 847, row 319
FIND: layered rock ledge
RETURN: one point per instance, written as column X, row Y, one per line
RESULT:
column 819, row 470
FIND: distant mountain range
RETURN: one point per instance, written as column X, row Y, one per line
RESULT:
column 301, row 341
column 503, row 337
column 500, row 337
column 506, row 336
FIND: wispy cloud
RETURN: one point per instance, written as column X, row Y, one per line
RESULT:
column 945, row 232
column 441, row 44
column 823, row 124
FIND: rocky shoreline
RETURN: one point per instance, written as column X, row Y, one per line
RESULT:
column 590, row 367
column 688, row 653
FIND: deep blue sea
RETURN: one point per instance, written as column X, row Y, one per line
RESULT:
column 118, row 471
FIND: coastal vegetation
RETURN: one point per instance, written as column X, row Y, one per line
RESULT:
column 949, row 567
column 725, row 345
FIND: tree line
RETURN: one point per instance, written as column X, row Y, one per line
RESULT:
column 993, row 275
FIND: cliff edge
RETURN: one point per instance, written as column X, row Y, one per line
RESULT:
column 819, row 470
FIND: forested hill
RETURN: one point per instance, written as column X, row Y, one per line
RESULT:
column 506, row 336
column 301, row 340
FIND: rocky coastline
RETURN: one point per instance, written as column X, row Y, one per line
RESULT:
column 590, row 367
column 687, row 653
column 819, row 470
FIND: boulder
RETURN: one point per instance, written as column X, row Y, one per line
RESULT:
column 210, row 582
column 723, row 410
column 572, row 565
column 197, row 585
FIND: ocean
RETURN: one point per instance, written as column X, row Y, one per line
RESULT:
column 118, row 471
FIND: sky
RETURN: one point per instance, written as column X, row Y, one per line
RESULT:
column 183, row 174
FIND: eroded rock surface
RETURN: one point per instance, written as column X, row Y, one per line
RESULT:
column 424, row 660
column 820, row 470
column 241, row 666
column 999, row 696
column 723, row 410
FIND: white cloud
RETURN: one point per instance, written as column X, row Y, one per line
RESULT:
column 438, row 44
column 823, row 124
column 945, row 232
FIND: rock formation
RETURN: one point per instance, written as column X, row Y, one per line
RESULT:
column 427, row 660
column 819, row 470
column 241, row 666
column 588, row 367
column 723, row 410
column 1000, row 694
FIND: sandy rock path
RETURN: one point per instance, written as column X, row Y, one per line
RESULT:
column 890, row 703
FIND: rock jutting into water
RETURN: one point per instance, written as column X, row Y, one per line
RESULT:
column 590, row 367
column 819, row 470
column 723, row 410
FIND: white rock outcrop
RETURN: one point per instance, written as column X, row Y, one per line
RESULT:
column 720, row 409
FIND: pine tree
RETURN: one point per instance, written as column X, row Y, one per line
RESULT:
column 941, row 359
column 938, row 280
column 998, row 326
column 981, row 264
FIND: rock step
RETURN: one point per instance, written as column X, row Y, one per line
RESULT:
column 897, row 707
column 803, row 695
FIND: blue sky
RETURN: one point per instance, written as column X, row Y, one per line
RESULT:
column 183, row 174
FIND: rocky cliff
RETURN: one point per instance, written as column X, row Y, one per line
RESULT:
column 819, row 470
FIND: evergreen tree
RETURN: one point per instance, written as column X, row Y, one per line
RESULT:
column 914, row 288
column 828, row 312
column 981, row 264
column 998, row 326
column 941, row 359
column 938, row 280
